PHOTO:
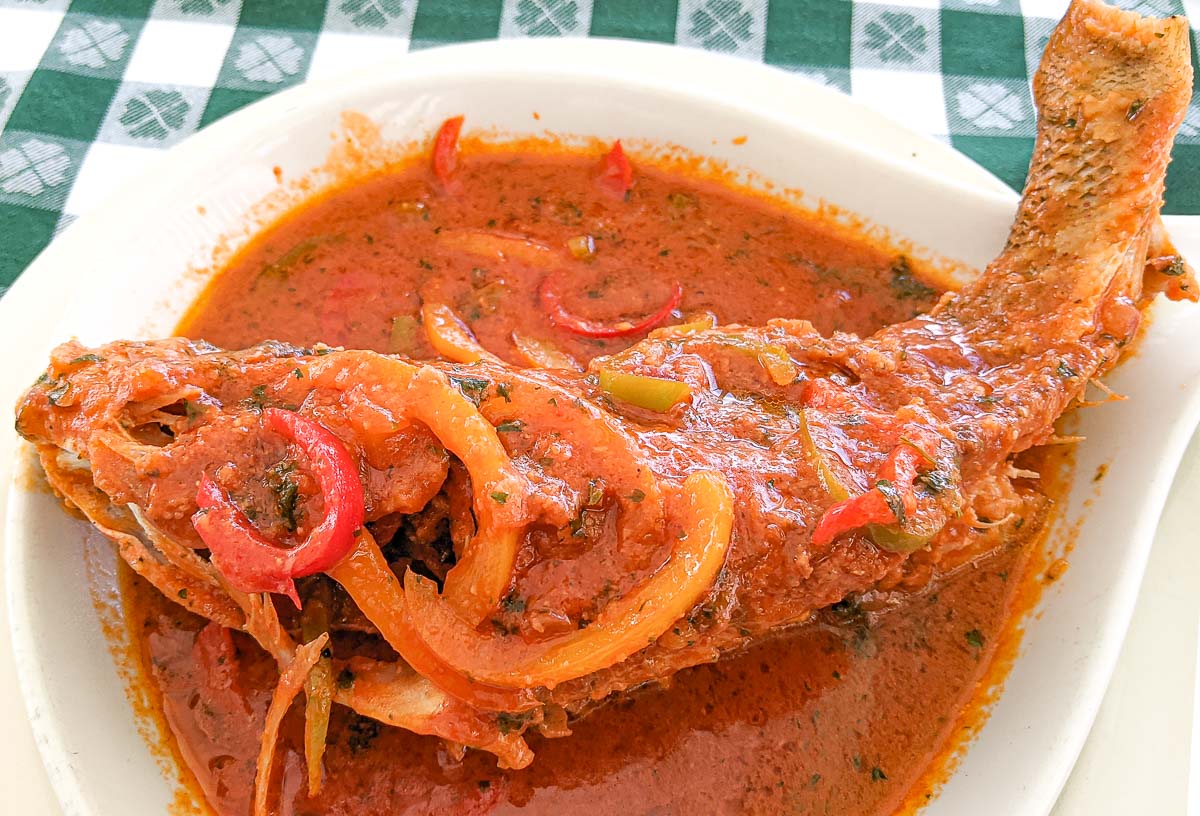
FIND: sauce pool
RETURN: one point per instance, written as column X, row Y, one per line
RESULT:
column 842, row 714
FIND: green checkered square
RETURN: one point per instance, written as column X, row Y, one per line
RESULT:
column 1183, row 193
column 63, row 104
column 635, row 19
column 287, row 15
column 266, row 59
column 809, row 33
column 990, row 45
column 26, row 231
column 449, row 21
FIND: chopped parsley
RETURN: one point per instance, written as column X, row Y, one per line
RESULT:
column 934, row 481
column 1065, row 371
column 595, row 493
column 905, row 284
column 895, row 501
column 56, row 394
column 499, row 498
column 473, row 388
column 510, row 426
column 1176, row 268
column 974, row 638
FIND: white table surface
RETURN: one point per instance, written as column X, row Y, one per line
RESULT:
column 1135, row 761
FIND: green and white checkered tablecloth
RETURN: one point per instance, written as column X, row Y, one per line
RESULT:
column 90, row 89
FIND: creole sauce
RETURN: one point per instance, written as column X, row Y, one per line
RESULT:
column 845, row 714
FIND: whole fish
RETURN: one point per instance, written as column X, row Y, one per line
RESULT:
column 706, row 487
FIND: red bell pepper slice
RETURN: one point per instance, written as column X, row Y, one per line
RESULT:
column 890, row 501
column 616, row 175
column 252, row 562
column 560, row 317
column 445, row 153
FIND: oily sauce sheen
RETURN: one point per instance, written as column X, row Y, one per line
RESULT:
column 842, row 715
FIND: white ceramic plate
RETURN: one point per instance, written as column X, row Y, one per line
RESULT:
column 124, row 267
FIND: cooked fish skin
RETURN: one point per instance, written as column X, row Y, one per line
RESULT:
column 979, row 379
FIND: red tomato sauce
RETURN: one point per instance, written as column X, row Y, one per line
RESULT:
column 843, row 714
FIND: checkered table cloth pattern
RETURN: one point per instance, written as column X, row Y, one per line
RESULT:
column 91, row 89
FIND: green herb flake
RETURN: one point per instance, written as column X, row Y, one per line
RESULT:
column 1176, row 268
column 473, row 388
column 499, row 497
column 877, row 774
column 595, row 493
column 513, row 603
column 183, row 593
column 895, row 501
column 934, row 481
column 637, row 496
column 193, row 410
column 1065, row 371
column 508, row 723
column 510, row 426
column 87, row 358
column 282, row 481
column 1135, row 109
column 55, row 395
column 974, row 638
column 905, row 284
column 504, row 390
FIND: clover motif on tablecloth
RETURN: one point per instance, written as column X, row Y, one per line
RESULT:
column 201, row 7
column 5, row 91
column 32, row 166
column 269, row 58
column 721, row 25
column 372, row 13
column 547, row 18
column 154, row 114
column 94, row 44
column 896, row 37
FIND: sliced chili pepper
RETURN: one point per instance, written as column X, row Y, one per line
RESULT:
column 616, row 175
column 445, row 153
column 559, row 316
column 251, row 561
column 889, row 502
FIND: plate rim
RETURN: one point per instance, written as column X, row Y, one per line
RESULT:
column 283, row 100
